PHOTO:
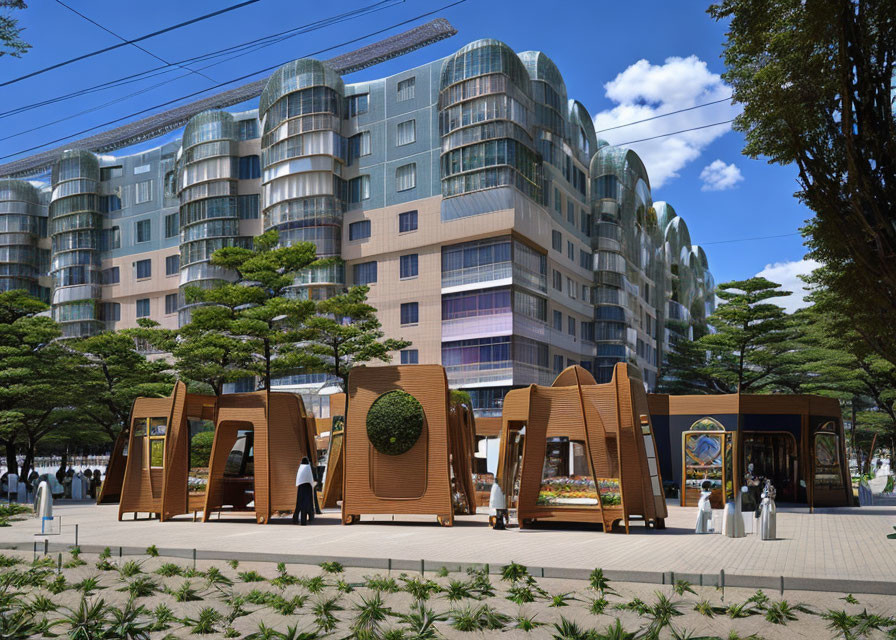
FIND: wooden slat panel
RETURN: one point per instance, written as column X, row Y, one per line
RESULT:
column 428, row 384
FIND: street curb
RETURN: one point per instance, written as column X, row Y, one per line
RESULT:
column 721, row 579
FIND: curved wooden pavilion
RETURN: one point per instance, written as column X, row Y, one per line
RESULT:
column 275, row 434
column 422, row 479
column 579, row 451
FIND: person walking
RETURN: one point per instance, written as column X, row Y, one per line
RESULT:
column 304, row 493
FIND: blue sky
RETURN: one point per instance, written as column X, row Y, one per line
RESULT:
column 623, row 60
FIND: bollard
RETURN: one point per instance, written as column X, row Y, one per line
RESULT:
column 782, row 585
column 120, row 553
column 194, row 559
column 46, row 546
column 390, row 566
column 722, row 582
column 35, row 551
column 421, row 568
column 76, row 535
column 59, row 565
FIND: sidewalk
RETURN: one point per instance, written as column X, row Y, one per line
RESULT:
column 832, row 544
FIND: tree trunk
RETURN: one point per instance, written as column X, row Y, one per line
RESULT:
column 852, row 427
column 267, row 365
column 27, row 463
column 12, row 464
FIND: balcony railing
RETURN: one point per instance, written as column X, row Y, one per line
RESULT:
column 474, row 275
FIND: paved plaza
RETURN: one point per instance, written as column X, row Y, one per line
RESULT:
column 838, row 544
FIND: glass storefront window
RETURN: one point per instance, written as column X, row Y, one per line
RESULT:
column 158, row 426
column 566, row 478
column 156, row 453
column 140, row 426
column 827, row 461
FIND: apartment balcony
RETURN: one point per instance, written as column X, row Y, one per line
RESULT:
column 499, row 373
column 483, row 326
column 490, row 275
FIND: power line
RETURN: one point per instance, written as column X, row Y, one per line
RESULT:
column 662, row 115
column 231, row 81
column 319, row 24
column 783, row 235
column 135, row 45
column 672, row 133
column 248, row 47
column 127, row 42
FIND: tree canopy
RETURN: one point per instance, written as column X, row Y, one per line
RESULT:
column 748, row 351
column 346, row 332
column 816, row 83
column 11, row 43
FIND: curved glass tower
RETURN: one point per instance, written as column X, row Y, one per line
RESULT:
column 303, row 153
column 485, row 117
column 209, row 218
column 75, row 227
column 21, row 215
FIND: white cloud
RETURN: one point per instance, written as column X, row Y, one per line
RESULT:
column 718, row 176
column 785, row 273
column 645, row 90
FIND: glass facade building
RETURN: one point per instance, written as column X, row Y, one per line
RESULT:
column 471, row 194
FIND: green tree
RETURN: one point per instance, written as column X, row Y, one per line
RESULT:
column 750, row 350
column 11, row 44
column 345, row 332
column 26, row 341
column 114, row 373
column 250, row 327
column 816, row 83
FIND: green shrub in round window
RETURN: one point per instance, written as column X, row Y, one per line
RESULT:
column 394, row 422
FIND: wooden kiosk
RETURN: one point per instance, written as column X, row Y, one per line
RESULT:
column 579, row 451
column 399, row 470
column 259, row 439
column 796, row 441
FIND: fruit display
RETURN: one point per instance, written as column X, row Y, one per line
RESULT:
column 567, row 490
column 610, row 492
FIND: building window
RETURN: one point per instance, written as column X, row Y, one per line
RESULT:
column 143, row 192
column 143, row 269
column 556, row 241
column 250, row 167
column 571, row 212
column 143, row 168
column 584, row 259
column 570, row 251
column 110, row 203
column 144, row 230
column 359, row 189
column 558, row 363
column 407, row 221
column 410, row 313
column 111, row 239
column 171, row 225
column 248, row 129
column 107, row 173
column 364, row 273
column 585, row 220
column 406, row 177
column 111, row 276
column 143, row 308
column 557, row 280
column 410, row 356
column 172, row 265
column 406, row 90
column 356, row 105
column 406, row 133
column 558, row 201
column 170, row 303
column 247, row 207
column 110, row 312
column 571, row 288
column 408, row 266
column 358, row 145
column 571, row 326
column 558, row 320
column 359, row 230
